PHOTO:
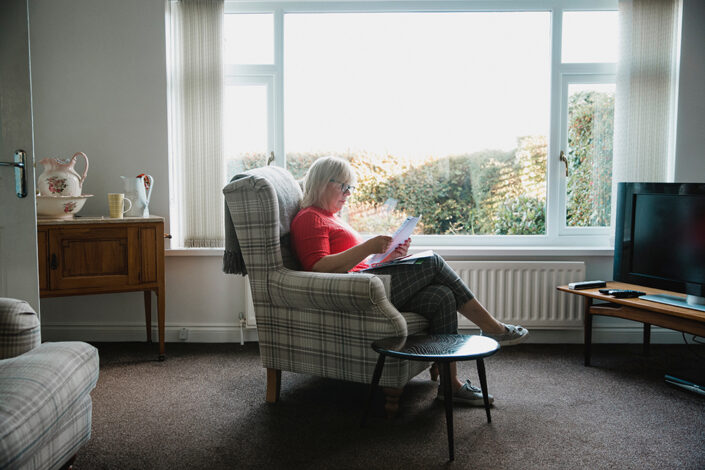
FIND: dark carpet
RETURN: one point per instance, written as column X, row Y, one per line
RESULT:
column 204, row 408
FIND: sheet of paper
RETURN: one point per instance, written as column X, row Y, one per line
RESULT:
column 398, row 238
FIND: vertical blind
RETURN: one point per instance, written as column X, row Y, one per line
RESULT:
column 645, row 90
column 196, row 119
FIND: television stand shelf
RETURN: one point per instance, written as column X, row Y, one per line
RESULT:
column 649, row 313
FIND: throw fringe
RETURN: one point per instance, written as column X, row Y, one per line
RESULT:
column 202, row 243
column 233, row 263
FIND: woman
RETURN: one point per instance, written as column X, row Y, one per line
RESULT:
column 325, row 243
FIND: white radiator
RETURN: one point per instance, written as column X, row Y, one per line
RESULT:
column 514, row 292
column 524, row 292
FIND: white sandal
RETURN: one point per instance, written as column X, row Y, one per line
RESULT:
column 513, row 335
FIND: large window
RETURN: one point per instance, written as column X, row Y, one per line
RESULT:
column 495, row 126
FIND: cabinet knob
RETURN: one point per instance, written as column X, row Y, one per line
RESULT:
column 54, row 263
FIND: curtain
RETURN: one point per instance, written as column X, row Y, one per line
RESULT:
column 196, row 119
column 644, row 104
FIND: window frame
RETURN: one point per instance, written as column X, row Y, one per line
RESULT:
column 568, row 79
column 256, row 76
column 558, row 234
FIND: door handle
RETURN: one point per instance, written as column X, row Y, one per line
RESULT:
column 20, row 165
column 562, row 158
column 54, row 262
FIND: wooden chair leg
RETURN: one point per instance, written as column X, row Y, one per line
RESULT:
column 274, row 383
column 391, row 405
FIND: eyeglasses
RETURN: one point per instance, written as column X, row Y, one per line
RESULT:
column 344, row 187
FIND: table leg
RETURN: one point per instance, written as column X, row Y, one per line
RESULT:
column 161, row 306
column 448, row 398
column 373, row 387
column 148, row 313
column 483, row 386
column 587, row 326
column 647, row 338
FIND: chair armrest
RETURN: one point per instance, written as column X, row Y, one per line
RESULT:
column 357, row 292
column 19, row 328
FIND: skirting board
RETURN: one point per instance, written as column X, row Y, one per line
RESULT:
column 231, row 334
column 138, row 332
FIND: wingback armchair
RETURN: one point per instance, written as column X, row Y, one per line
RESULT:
column 311, row 323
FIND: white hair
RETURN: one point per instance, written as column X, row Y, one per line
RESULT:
column 319, row 175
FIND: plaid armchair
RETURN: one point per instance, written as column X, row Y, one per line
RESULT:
column 311, row 323
column 45, row 402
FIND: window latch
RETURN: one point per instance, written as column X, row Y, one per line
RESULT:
column 562, row 158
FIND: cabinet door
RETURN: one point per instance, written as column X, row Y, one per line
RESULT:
column 94, row 257
column 43, row 258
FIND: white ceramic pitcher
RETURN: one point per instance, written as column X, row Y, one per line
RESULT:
column 138, row 190
column 59, row 177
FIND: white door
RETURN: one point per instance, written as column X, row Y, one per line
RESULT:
column 18, row 226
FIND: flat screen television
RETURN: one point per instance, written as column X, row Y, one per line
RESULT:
column 660, row 240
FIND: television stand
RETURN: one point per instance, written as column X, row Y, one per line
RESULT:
column 649, row 313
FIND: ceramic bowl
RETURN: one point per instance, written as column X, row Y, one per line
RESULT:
column 60, row 207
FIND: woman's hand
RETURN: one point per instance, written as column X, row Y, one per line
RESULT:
column 399, row 252
column 378, row 244
column 348, row 259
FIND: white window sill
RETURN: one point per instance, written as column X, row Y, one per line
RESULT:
column 194, row 252
column 457, row 251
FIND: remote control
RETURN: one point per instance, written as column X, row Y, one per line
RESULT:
column 622, row 293
column 586, row 284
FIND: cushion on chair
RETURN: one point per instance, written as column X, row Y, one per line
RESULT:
column 39, row 390
column 415, row 323
column 19, row 328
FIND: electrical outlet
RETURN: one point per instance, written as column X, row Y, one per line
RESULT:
column 183, row 334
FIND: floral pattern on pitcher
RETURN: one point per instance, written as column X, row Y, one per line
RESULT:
column 56, row 184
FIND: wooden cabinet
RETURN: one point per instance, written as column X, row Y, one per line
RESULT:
column 95, row 256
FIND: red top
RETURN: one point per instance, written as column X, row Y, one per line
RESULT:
column 316, row 233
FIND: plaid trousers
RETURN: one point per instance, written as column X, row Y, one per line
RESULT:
column 431, row 289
